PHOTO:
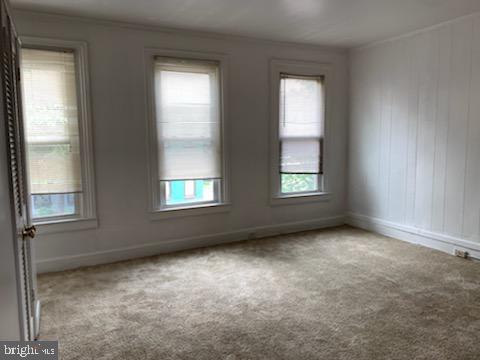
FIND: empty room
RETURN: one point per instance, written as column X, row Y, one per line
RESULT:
column 225, row 179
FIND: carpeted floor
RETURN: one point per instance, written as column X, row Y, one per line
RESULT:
column 333, row 294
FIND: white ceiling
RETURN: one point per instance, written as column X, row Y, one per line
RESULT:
column 345, row 23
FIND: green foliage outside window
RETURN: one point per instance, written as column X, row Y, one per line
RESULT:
column 293, row 183
column 45, row 205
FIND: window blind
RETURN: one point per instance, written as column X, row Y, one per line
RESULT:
column 188, row 119
column 300, row 128
column 51, row 121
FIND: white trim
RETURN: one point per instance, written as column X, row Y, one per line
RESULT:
column 88, row 206
column 295, row 199
column 414, row 235
column 67, row 225
column 189, row 210
column 161, row 247
column 152, row 163
column 307, row 68
column 37, row 318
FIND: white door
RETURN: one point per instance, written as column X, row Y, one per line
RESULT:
column 11, row 117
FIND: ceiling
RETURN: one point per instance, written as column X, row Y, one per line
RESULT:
column 345, row 23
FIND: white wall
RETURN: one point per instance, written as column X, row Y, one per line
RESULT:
column 119, row 122
column 414, row 148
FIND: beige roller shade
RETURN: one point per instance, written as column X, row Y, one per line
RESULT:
column 188, row 119
column 301, row 124
column 51, row 121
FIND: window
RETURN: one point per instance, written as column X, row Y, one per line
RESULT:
column 300, row 133
column 55, row 121
column 299, row 129
column 188, row 133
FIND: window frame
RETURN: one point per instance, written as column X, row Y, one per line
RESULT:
column 86, row 219
column 156, row 209
column 305, row 69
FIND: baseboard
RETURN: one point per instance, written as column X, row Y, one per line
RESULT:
column 142, row 250
column 434, row 240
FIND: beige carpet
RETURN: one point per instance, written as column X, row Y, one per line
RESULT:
column 334, row 294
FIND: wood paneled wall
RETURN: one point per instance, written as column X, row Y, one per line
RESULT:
column 414, row 156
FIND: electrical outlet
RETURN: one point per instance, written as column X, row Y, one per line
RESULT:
column 461, row 253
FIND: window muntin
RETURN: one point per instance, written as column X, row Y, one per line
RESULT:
column 52, row 131
column 188, row 129
column 301, row 125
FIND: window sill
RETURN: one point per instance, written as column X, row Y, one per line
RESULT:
column 65, row 225
column 300, row 198
column 194, row 210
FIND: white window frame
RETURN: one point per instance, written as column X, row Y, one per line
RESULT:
column 87, row 218
column 156, row 209
column 308, row 69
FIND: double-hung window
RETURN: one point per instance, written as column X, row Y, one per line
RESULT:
column 188, row 156
column 55, row 121
column 299, row 130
